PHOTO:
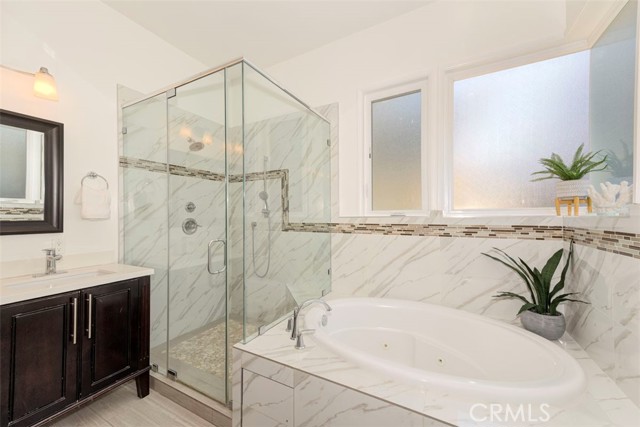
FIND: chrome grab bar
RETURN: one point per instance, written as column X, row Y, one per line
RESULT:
column 224, row 260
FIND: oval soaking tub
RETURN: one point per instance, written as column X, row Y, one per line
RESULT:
column 447, row 349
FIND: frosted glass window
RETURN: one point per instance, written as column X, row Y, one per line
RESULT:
column 504, row 122
column 395, row 153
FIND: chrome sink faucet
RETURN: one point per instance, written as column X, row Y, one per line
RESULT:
column 293, row 321
column 52, row 258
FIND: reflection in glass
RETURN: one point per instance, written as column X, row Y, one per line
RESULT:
column 21, row 174
column 612, row 89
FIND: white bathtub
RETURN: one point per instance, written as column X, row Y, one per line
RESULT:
column 447, row 349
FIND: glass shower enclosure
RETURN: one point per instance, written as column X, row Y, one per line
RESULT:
column 223, row 177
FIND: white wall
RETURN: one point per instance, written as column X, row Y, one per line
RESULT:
column 425, row 42
column 89, row 48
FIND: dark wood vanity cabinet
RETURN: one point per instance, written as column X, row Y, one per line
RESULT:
column 39, row 360
column 111, row 335
column 61, row 351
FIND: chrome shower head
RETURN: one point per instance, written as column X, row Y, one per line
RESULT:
column 195, row 145
column 264, row 196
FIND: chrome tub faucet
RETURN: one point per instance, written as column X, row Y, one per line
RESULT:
column 292, row 324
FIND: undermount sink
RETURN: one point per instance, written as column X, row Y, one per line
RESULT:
column 52, row 280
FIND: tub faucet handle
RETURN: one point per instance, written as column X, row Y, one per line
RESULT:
column 298, row 309
column 289, row 324
column 299, row 341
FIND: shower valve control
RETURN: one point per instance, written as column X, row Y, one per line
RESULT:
column 189, row 226
column 190, row 207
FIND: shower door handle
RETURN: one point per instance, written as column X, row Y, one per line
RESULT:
column 224, row 265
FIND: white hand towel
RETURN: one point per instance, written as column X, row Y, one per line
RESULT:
column 96, row 203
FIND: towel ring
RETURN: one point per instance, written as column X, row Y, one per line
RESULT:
column 94, row 175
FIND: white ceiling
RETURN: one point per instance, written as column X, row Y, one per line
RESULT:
column 265, row 32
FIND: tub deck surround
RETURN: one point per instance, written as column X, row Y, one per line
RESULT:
column 602, row 404
column 22, row 288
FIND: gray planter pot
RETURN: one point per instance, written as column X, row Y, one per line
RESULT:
column 550, row 327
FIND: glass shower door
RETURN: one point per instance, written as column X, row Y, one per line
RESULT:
column 197, row 235
column 144, row 208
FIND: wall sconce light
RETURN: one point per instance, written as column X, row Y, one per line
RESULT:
column 44, row 85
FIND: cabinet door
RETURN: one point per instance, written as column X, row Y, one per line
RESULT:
column 111, row 334
column 38, row 358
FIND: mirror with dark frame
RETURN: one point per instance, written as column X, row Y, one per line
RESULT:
column 31, row 171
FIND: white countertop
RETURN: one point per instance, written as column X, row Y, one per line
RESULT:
column 602, row 404
column 22, row 288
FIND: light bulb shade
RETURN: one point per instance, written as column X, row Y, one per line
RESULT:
column 44, row 85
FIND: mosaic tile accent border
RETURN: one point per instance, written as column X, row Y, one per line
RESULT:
column 281, row 174
column 151, row 166
column 627, row 244
column 195, row 173
column 436, row 230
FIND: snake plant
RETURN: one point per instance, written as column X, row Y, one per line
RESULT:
column 582, row 164
column 543, row 298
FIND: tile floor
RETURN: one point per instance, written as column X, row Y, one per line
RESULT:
column 122, row 408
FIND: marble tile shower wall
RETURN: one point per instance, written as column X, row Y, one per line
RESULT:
column 196, row 298
column 291, row 144
column 144, row 237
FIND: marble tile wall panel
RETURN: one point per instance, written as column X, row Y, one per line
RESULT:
column 297, row 145
column 268, row 369
column 183, row 125
column 446, row 271
column 145, row 238
column 322, row 403
column 471, row 279
column 608, row 328
column 196, row 297
column 316, row 401
column 146, row 136
column 265, row 402
column 296, row 142
column 299, row 262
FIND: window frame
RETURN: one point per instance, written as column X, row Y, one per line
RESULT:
column 426, row 174
column 453, row 74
